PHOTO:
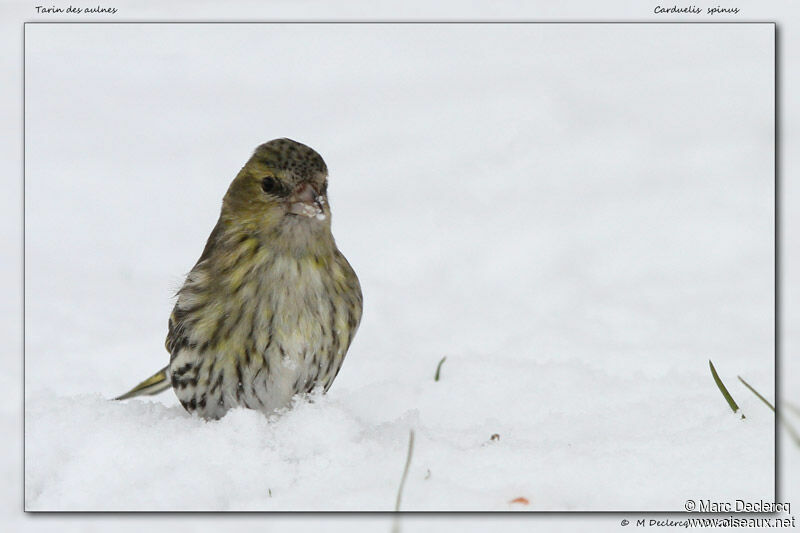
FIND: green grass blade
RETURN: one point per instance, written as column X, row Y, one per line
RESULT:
column 439, row 368
column 754, row 391
column 722, row 389
column 792, row 432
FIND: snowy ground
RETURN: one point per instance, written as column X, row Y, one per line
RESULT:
column 578, row 217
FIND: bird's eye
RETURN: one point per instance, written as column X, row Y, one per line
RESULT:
column 270, row 185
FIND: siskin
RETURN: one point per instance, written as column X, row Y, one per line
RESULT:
column 271, row 306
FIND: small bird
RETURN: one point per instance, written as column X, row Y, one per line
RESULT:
column 272, row 305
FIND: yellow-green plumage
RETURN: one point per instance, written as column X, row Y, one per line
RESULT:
column 271, row 306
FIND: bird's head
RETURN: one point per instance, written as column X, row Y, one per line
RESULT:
column 282, row 188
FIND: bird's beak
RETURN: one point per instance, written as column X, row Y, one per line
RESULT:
column 306, row 201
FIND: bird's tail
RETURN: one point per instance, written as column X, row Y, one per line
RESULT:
column 153, row 385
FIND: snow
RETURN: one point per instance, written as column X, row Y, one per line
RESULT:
column 578, row 217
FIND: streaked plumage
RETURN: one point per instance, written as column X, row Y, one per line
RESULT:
column 271, row 306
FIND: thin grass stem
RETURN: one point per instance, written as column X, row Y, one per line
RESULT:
column 439, row 368
column 792, row 432
column 396, row 524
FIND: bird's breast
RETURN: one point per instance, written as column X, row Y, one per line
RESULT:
column 270, row 330
column 299, row 325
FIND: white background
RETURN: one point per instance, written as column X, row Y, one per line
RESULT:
column 349, row 197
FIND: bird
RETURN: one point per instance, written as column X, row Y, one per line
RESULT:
column 271, row 307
